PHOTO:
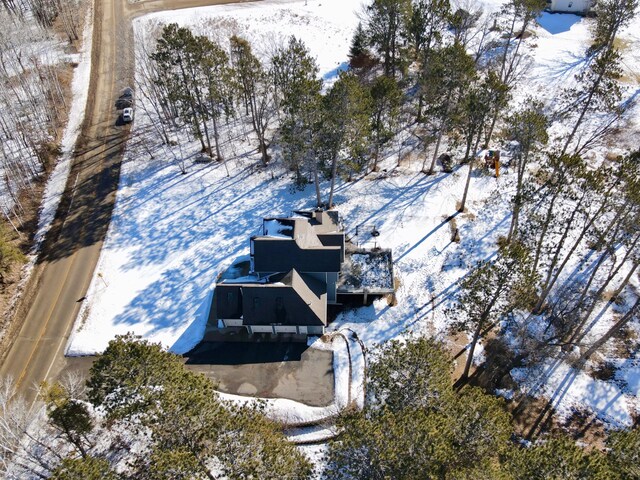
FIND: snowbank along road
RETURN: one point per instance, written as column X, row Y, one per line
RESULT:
column 35, row 350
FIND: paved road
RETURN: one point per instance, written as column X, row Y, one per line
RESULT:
column 71, row 250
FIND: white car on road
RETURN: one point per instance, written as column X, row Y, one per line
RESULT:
column 127, row 115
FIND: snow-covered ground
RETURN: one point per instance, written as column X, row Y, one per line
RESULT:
column 172, row 234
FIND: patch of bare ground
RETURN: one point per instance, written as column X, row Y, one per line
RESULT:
column 410, row 157
column 453, row 229
column 533, row 417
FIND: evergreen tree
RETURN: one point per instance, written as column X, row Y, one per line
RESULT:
column 480, row 432
column 490, row 289
column 70, row 416
column 517, row 16
column 412, row 375
column 448, row 72
column 556, row 459
column 598, row 88
column 527, row 128
column 346, row 129
column 256, row 89
column 429, row 18
column 85, row 468
column 123, row 380
column 217, row 78
column 179, row 464
column 611, row 16
column 141, row 386
column 386, row 98
column 359, row 54
column 623, row 454
column 178, row 67
column 386, row 24
column 471, row 117
column 416, row 426
column 295, row 75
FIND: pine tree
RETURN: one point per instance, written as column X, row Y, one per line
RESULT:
column 487, row 292
column 528, row 129
column 86, row 468
column 598, row 88
column 346, row 129
column 480, row 432
column 295, row 76
column 623, row 454
column 447, row 74
column 416, row 426
column 556, row 459
column 178, row 65
column 386, row 23
column 216, row 74
column 70, row 416
column 429, row 18
column 359, row 54
column 256, row 89
column 122, row 380
column 141, row 386
column 412, row 375
column 471, row 117
column 518, row 16
column 386, row 98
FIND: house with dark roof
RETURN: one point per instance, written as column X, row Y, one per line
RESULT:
column 297, row 268
column 580, row 7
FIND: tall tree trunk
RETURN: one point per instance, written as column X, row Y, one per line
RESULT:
column 556, row 275
column 466, row 188
column 334, row 173
column 579, row 334
column 544, row 229
column 435, row 152
column 517, row 200
column 316, row 181
column 631, row 314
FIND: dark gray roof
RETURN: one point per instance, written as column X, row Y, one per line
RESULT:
column 282, row 255
column 306, row 243
column 292, row 299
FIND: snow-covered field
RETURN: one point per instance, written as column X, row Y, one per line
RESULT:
column 172, row 234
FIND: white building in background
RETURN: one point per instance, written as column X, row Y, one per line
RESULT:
column 570, row 6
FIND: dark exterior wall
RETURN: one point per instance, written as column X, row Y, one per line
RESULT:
column 228, row 301
column 271, row 255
